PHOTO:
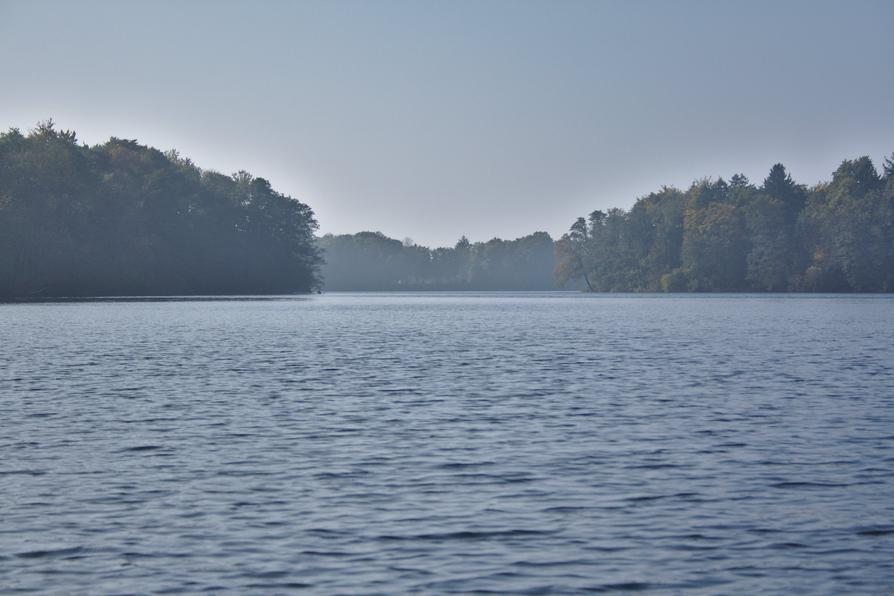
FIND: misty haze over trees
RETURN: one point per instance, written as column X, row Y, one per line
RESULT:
column 371, row 261
column 735, row 236
column 125, row 219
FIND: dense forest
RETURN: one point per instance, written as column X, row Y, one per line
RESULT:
column 125, row 219
column 735, row 236
column 371, row 261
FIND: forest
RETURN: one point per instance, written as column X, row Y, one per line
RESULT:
column 736, row 236
column 125, row 219
column 373, row 262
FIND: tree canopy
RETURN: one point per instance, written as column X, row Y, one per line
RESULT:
column 125, row 219
column 737, row 236
column 122, row 218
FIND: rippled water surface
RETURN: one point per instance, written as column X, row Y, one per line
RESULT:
column 449, row 443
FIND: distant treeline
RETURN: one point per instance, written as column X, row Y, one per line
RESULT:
column 373, row 262
column 125, row 219
column 735, row 236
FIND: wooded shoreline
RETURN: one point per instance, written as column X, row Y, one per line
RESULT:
column 124, row 219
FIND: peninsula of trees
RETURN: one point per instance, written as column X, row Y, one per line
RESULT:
column 735, row 236
column 125, row 219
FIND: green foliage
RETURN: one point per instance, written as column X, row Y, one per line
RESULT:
column 852, row 225
column 769, row 260
column 125, row 219
column 719, row 236
column 714, row 247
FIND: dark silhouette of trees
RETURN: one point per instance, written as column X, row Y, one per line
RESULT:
column 851, row 230
column 732, row 237
column 373, row 262
column 126, row 219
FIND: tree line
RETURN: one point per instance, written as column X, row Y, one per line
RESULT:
column 125, row 219
column 373, row 262
column 736, row 236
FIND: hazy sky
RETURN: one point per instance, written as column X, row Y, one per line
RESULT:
column 484, row 118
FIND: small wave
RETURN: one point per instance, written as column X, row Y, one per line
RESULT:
column 645, row 498
column 139, row 448
column 566, row 508
column 22, row 472
column 621, row 587
column 805, row 484
column 463, row 465
column 468, row 535
column 787, row 545
column 50, row 552
column 279, row 586
column 882, row 531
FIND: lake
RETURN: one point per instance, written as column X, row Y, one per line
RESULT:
column 505, row 442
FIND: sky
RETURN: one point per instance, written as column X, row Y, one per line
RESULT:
column 487, row 118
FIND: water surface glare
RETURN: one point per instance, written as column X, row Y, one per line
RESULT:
column 541, row 443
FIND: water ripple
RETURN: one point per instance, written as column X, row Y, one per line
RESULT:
column 448, row 443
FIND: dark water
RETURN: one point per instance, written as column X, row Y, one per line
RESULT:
column 449, row 443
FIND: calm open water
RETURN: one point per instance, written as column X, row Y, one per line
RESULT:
column 449, row 443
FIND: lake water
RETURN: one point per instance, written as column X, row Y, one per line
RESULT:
column 449, row 443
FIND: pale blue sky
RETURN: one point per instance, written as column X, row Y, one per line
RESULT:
column 486, row 118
